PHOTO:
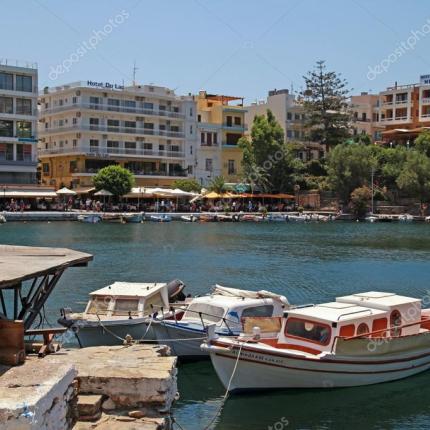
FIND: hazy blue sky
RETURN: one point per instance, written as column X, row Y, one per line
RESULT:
column 239, row 47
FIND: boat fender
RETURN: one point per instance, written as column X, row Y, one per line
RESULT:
column 128, row 340
column 256, row 333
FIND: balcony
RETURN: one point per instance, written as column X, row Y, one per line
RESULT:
column 108, row 152
column 25, row 163
column 402, row 101
column 138, row 173
column 111, row 129
column 110, row 108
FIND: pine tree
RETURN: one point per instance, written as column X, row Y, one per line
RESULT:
column 326, row 106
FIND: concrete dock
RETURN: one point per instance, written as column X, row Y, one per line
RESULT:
column 121, row 387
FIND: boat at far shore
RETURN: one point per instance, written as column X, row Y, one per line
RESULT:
column 123, row 309
column 360, row 339
column 160, row 218
column 90, row 218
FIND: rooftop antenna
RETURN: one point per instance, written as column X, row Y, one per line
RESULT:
column 292, row 87
column 135, row 69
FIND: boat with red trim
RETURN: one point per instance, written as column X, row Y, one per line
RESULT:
column 361, row 339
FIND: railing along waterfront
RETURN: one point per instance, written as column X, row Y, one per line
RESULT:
column 106, row 152
column 135, row 172
column 112, row 108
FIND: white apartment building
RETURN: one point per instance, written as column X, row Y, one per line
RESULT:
column 85, row 126
column 18, row 123
column 289, row 112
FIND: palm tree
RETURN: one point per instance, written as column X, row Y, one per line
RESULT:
column 257, row 177
column 217, row 185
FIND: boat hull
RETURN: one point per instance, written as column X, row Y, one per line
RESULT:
column 189, row 345
column 263, row 370
column 97, row 335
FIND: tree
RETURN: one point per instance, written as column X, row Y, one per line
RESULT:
column 360, row 198
column 326, row 106
column 268, row 163
column 217, row 185
column 414, row 178
column 422, row 142
column 115, row 179
column 188, row 185
column 349, row 167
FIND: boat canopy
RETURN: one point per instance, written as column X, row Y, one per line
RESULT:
column 135, row 289
column 235, row 292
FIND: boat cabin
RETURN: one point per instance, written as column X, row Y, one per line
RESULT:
column 401, row 310
column 231, row 310
column 127, row 299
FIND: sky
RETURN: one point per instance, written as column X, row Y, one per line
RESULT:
column 236, row 47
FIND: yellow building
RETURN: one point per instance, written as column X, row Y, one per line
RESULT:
column 219, row 127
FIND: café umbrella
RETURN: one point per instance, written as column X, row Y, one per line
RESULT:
column 65, row 192
column 103, row 193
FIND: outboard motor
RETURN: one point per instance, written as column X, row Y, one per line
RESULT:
column 175, row 289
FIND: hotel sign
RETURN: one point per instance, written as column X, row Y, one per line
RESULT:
column 425, row 79
column 105, row 85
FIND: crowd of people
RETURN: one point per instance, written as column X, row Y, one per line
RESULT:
column 147, row 205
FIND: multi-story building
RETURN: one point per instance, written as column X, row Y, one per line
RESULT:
column 405, row 111
column 220, row 126
column 85, row 126
column 18, row 124
column 365, row 116
column 290, row 114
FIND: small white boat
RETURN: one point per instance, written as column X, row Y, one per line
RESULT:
column 406, row 218
column 276, row 218
column 2, row 219
column 189, row 218
column 427, row 219
column 160, row 218
column 361, row 339
column 90, row 219
column 371, row 218
column 225, row 308
column 133, row 218
column 296, row 218
column 253, row 218
column 123, row 309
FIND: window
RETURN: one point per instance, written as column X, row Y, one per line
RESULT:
column 23, row 106
column 395, row 323
column 6, row 105
column 149, row 106
column 74, row 143
column 161, row 147
column 347, row 330
column 73, row 166
column 112, row 144
column 296, row 116
column 94, row 123
column 130, row 124
column 311, row 331
column 6, row 128
column 289, row 134
column 99, row 305
column 289, row 116
column 209, row 139
column 209, row 313
column 126, row 307
column 232, row 138
column 191, row 129
column 147, row 146
column 6, row 151
column 148, row 125
column 6, row 81
column 191, row 111
column 258, row 311
column 112, row 124
column 202, row 138
column 199, row 118
column 161, row 107
column 362, row 329
column 229, row 121
column 94, row 100
column 174, row 148
column 231, row 167
column 23, row 129
column 208, row 164
column 24, row 83
column 45, row 168
column 74, row 100
column 237, row 120
column 113, row 104
column 94, row 145
column 131, row 104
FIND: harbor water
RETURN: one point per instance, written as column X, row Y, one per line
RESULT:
column 306, row 262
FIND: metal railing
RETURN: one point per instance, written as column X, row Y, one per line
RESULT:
column 112, row 108
column 115, row 129
column 105, row 151
column 135, row 172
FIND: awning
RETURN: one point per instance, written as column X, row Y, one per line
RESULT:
column 28, row 194
column 84, row 190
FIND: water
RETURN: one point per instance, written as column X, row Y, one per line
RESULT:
column 307, row 263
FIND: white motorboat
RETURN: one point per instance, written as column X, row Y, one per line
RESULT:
column 2, row 219
column 189, row 218
column 133, row 218
column 160, row 218
column 360, row 339
column 90, row 218
column 122, row 309
column 406, row 218
column 427, row 219
column 225, row 308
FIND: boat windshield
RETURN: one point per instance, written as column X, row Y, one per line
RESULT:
column 308, row 330
column 99, row 305
column 126, row 307
column 209, row 313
